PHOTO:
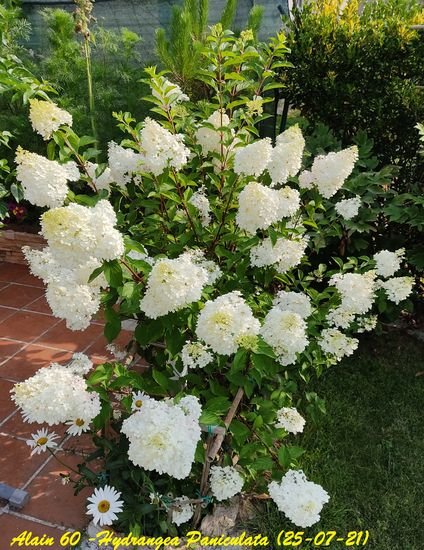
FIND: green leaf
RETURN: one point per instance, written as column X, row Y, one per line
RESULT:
column 148, row 332
column 175, row 340
column 209, row 418
column 239, row 361
column 218, row 405
column 95, row 273
column 113, row 324
column 17, row 192
column 262, row 463
column 240, row 431
column 161, row 379
column 264, row 364
column 113, row 273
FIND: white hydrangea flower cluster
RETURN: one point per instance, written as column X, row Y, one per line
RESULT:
column 397, row 289
column 68, row 293
column 163, row 436
column 83, row 232
column 282, row 161
column 169, row 94
column 174, row 284
column 223, row 322
column 212, row 269
column 182, row 510
column 225, row 482
column 200, row 201
column 357, row 291
column 161, row 148
column 348, row 208
column 366, row 324
column 102, row 181
column 298, row 302
column 55, row 395
column 387, row 263
column 286, row 158
column 284, row 255
column 80, row 364
column 299, row 499
column 210, row 138
column 79, row 239
column 285, row 332
column 290, row 419
column 260, row 206
column 252, row 159
column 329, row 172
column 195, row 355
column 123, row 163
column 45, row 182
column 46, row 117
column 77, row 304
column 340, row 317
column 337, row 344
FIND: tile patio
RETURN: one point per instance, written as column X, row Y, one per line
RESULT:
column 31, row 338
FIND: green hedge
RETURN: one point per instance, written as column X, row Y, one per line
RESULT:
column 362, row 71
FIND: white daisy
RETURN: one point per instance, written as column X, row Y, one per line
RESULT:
column 42, row 440
column 77, row 426
column 105, row 504
column 138, row 399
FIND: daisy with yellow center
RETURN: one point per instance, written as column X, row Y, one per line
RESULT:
column 104, row 505
column 77, row 426
column 42, row 440
column 138, row 399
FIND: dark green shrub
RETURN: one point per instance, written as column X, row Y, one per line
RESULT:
column 18, row 84
column 362, row 71
column 115, row 68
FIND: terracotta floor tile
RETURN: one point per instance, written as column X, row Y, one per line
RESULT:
column 63, row 338
column 99, row 359
column 40, row 306
column 33, row 357
column 51, row 500
column 12, row 272
column 8, row 348
column 6, row 404
column 19, row 295
column 12, row 526
column 16, row 463
column 25, row 326
column 99, row 346
column 28, row 279
column 81, row 445
column 16, row 426
column 6, row 312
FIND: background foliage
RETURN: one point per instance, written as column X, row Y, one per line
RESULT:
column 362, row 72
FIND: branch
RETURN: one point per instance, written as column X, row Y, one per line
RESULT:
column 219, row 438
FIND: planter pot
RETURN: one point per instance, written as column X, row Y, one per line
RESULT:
column 12, row 241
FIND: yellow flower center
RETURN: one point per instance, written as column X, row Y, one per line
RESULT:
column 164, row 271
column 157, row 441
column 103, row 506
column 309, row 506
column 221, row 318
column 79, row 422
column 138, row 403
column 42, row 441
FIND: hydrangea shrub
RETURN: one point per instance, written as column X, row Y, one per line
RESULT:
column 207, row 241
